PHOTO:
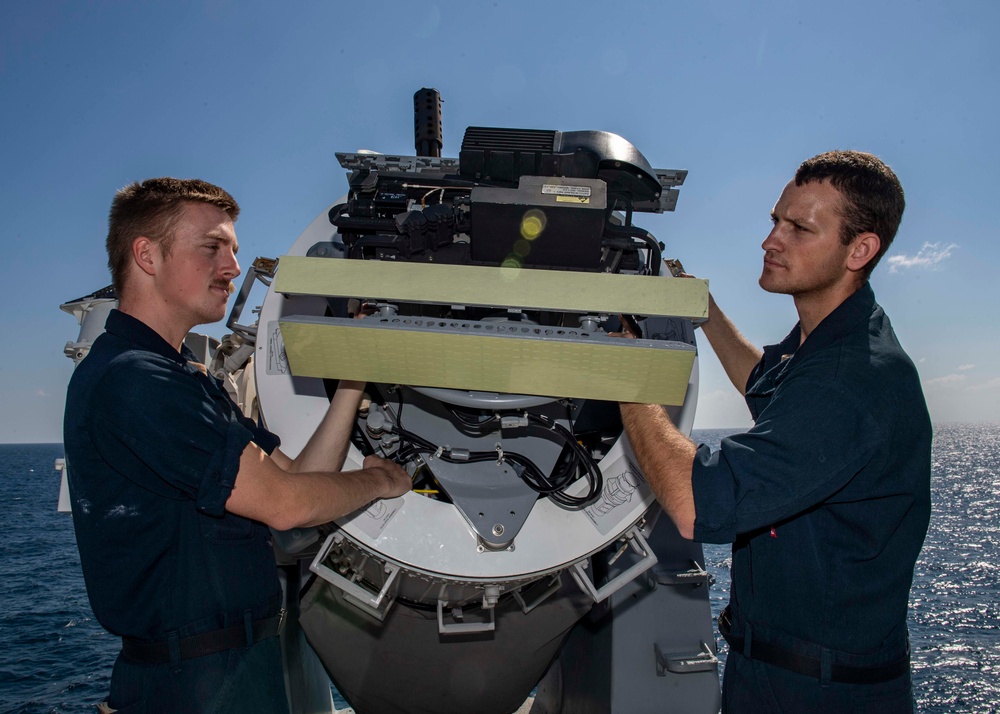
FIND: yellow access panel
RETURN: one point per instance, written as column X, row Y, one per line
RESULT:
column 503, row 357
column 479, row 356
column 528, row 289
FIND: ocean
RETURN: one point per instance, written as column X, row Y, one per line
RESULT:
column 56, row 658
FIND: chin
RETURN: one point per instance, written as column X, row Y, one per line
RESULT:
column 212, row 315
column 773, row 286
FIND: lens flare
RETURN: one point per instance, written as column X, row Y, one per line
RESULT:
column 532, row 224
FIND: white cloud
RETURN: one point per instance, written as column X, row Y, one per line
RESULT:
column 948, row 379
column 41, row 393
column 964, row 367
column 992, row 384
column 929, row 255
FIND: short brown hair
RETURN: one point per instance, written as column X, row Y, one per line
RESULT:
column 873, row 196
column 150, row 208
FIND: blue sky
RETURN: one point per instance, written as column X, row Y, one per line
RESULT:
column 258, row 96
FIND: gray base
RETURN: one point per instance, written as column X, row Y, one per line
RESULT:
column 608, row 665
column 404, row 666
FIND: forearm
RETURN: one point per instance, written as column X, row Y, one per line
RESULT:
column 737, row 354
column 265, row 492
column 327, row 448
column 666, row 458
column 314, row 498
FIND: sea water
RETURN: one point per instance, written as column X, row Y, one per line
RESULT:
column 54, row 657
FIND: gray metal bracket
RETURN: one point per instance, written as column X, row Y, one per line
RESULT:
column 262, row 269
column 489, row 494
column 376, row 604
column 647, row 560
column 694, row 576
column 386, row 163
column 703, row 661
column 555, row 581
column 463, row 628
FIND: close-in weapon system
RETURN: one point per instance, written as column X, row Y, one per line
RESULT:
column 476, row 297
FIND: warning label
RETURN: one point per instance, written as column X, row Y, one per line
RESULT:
column 559, row 190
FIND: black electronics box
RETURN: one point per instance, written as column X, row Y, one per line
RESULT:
column 546, row 222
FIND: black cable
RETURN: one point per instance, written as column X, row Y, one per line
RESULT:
column 591, row 470
column 578, row 462
column 575, row 460
column 656, row 253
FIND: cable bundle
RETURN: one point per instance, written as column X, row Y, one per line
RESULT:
column 573, row 463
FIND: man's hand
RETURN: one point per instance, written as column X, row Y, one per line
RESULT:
column 396, row 477
column 267, row 493
column 629, row 329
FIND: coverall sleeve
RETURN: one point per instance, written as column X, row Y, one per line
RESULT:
column 810, row 440
column 165, row 428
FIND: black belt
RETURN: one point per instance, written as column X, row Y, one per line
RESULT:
column 778, row 656
column 206, row 643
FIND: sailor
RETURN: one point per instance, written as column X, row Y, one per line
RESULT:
column 173, row 489
column 826, row 500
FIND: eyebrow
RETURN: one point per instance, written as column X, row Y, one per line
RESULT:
column 801, row 223
column 222, row 238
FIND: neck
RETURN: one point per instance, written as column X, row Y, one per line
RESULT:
column 162, row 322
column 813, row 307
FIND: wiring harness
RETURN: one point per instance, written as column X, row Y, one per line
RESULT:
column 574, row 462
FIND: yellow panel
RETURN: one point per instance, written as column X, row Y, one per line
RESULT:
column 498, row 287
column 613, row 370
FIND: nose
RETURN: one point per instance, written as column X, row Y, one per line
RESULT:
column 231, row 269
column 771, row 242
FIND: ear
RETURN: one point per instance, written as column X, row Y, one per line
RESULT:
column 864, row 248
column 145, row 254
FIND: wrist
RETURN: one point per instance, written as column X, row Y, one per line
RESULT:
column 387, row 485
column 351, row 386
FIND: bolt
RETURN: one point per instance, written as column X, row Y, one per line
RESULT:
column 498, row 529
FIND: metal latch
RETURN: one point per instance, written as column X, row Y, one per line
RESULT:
column 696, row 575
column 703, row 661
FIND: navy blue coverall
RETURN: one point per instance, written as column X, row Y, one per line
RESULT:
column 153, row 448
column 826, row 501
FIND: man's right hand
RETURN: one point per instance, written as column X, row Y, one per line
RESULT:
column 267, row 493
column 399, row 482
